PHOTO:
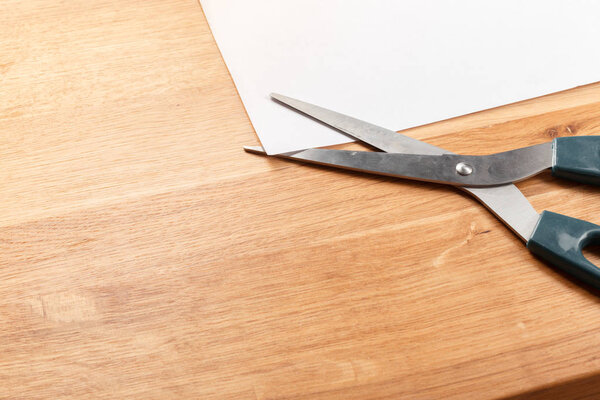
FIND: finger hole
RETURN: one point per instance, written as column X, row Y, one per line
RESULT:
column 592, row 253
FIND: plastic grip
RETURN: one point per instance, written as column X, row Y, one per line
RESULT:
column 560, row 240
column 577, row 158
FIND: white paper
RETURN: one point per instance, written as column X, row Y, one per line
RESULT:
column 396, row 63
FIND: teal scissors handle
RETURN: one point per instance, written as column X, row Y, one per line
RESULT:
column 560, row 240
column 577, row 158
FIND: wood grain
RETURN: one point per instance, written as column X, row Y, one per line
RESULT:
column 143, row 254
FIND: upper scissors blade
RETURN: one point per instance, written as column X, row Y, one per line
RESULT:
column 381, row 138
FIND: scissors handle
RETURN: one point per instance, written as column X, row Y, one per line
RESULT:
column 577, row 158
column 560, row 240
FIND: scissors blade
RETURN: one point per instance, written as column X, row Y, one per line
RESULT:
column 376, row 136
column 451, row 169
column 506, row 202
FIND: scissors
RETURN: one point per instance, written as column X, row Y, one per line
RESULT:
column 556, row 238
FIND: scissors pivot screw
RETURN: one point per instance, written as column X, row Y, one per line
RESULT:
column 464, row 169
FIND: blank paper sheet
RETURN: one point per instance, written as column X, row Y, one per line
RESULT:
column 398, row 64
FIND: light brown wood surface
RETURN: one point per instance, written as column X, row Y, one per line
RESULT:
column 144, row 255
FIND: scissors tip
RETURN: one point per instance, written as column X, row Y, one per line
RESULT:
column 280, row 97
column 255, row 149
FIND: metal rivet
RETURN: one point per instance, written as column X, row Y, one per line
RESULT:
column 464, row 169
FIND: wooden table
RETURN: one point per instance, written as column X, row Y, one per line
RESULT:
column 144, row 255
